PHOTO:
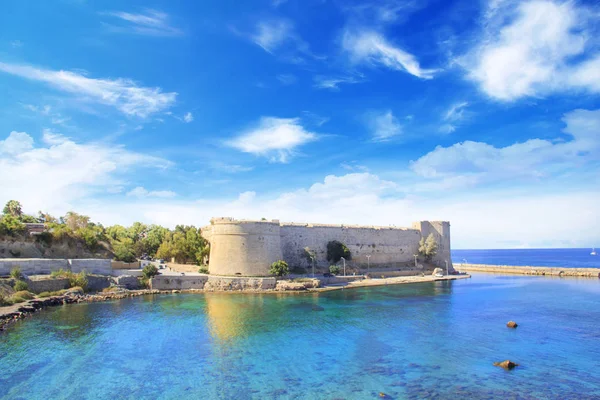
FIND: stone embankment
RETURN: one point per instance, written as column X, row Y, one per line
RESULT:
column 516, row 270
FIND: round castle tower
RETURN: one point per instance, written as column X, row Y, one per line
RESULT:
column 246, row 248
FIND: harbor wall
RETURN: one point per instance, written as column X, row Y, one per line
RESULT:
column 44, row 266
column 518, row 270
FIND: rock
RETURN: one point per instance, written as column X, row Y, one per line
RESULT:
column 438, row 271
column 512, row 324
column 507, row 364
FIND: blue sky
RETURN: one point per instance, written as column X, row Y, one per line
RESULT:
column 485, row 113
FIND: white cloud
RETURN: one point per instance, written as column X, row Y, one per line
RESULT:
column 15, row 143
column 151, row 23
column 55, row 117
column 534, row 158
column 141, row 192
column 453, row 116
column 383, row 125
column 323, row 82
column 372, row 48
column 535, row 48
column 478, row 220
column 123, row 94
column 276, row 138
column 61, row 172
column 230, row 168
column 271, row 34
column 188, row 117
column 287, row 79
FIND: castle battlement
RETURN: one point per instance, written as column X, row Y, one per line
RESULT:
column 249, row 247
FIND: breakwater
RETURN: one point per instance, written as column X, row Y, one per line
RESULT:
column 518, row 270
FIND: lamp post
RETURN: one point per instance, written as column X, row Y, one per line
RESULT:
column 344, row 261
column 447, row 267
column 415, row 256
column 312, row 258
column 368, row 263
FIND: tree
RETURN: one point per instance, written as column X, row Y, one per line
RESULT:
column 336, row 250
column 10, row 225
column 13, row 208
column 279, row 268
column 428, row 247
column 75, row 221
column 124, row 252
column 149, row 271
column 334, row 269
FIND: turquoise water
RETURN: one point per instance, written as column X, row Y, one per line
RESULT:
column 430, row 340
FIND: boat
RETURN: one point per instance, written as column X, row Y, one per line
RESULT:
column 593, row 253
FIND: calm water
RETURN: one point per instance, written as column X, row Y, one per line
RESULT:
column 409, row 341
column 564, row 258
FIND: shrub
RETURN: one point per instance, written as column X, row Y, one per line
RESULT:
column 16, row 299
column 203, row 270
column 21, row 285
column 50, row 294
column 24, row 294
column 75, row 290
column 110, row 289
column 4, row 301
column 149, row 271
column 279, row 268
column 79, row 280
column 336, row 250
column 16, row 273
column 334, row 269
column 144, row 282
column 428, row 247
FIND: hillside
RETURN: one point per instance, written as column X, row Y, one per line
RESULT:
column 33, row 247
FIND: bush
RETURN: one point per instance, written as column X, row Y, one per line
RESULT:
column 110, row 289
column 20, row 286
column 149, row 271
column 75, row 280
column 16, row 299
column 16, row 273
column 203, row 270
column 50, row 294
column 428, row 247
column 334, row 269
column 24, row 294
column 4, row 301
column 144, row 282
column 336, row 250
column 279, row 268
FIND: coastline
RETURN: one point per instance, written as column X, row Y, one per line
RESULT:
column 529, row 270
column 16, row 312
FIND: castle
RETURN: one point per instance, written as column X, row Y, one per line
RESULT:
column 248, row 248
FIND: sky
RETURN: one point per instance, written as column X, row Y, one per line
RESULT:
column 482, row 113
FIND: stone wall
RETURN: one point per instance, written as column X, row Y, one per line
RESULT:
column 517, row 270
column 42, row 284
column 210, row 283
column 44, row 266
column 248, row 248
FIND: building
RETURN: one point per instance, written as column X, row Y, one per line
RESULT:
column 248, row 248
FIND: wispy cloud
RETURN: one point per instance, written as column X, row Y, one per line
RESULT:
column 453, row 116
column 140, row 192
column 524, row 54
column 383, row 125
column 332, row 83
column 276, row 138
column 230, row 168
column 188, row 117
column 16, row 43
column 150, row 22
column 369, row 47
column 287, row 79
column 56, row 118
column 123, row 94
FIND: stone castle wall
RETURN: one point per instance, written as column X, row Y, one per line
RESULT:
column 248, row 248
column 44, row 266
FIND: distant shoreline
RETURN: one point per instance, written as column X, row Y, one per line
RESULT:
column 529, row 270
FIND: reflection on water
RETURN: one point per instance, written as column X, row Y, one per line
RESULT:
column 410, row 341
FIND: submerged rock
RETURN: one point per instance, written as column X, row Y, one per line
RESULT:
column 512, row 324
column 506, row 364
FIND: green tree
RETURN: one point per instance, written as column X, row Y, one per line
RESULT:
column 428, row 247
column 75, row 221
column 13, row 208
column 124, row 251
column 279, row 268
column 149, row 271
column 336, row 250
column 334, row 269
column 10, row 225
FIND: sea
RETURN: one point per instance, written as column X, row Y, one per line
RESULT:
column 434, row 340
column 563, row 258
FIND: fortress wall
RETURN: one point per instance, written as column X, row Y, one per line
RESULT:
column 247, row 248
column 386, row 246
column 441, row 232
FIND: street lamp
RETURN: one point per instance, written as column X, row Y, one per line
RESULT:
column 415, row 256
column 447, row 267
column 344, row 261
column 313, row 264
column 368, row 263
